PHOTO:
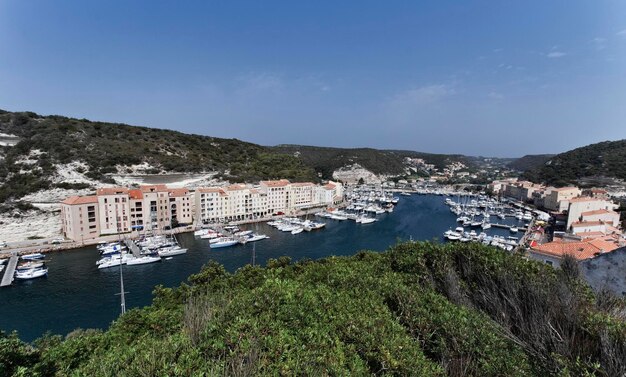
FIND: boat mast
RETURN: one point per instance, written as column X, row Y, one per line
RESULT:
column 253, row 254
column 123, row 298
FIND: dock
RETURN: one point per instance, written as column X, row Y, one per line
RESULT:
column 507, row 226
column 132, row 246
column 9, row 271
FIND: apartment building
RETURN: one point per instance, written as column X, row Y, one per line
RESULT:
column 79, row 217
column 589, row 206
column 557, row 199
column 151, row 207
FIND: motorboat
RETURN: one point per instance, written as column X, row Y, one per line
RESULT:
column 255, row 237
column 29, row 265
column 170, row 251
column 297, row 230
column 223, row 242
column 367, row 220
column 143, row 260
column 513, row 229
column 32, row 273
column 33, row 256
column 243, row 233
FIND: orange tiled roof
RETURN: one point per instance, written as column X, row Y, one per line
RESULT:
column 72, row 200
column 579, row 250
column 112, row 191
column 178, row 192
column 153, row 188
column 565, row 188
column 582, row 199
column 135, row 194
column 580, row 224
column 597, row 212
column 211, row 189
column 302, row 184
column 279, row 183
column 235, row 187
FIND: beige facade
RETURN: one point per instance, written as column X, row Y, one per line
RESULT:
column 557, row 199
column 79, row 218
column 153, row 207
column 577, row 206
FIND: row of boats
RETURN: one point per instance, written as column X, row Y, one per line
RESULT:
column 459, row 234
column 30, row 266
column 150, row 249
column 228, row 236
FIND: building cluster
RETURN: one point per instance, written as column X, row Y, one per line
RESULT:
column 152, row 207
column 589, row 217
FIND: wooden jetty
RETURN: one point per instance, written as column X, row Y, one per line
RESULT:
column 9, row 271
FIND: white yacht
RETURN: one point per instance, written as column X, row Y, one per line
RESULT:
column 31, row 273
column 171, row 251
column 297, row 230
column 143, row 260
column 223, row 242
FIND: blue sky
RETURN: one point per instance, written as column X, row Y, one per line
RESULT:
column 493, row 78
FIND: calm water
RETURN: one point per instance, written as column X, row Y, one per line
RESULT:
column 76, row 294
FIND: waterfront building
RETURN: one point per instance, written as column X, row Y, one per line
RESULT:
column 79, row 217
column 113, row 210
column 156, row 207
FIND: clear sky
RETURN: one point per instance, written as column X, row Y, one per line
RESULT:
column 493, row 78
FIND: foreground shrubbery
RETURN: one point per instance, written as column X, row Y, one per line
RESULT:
column 419, row 309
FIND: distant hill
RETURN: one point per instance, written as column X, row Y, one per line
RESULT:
column 530, row 161
column 41, row 145
column 35, row 149
column 605, row 159
column 326, row 160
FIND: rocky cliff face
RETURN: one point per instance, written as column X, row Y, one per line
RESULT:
column 353, row 173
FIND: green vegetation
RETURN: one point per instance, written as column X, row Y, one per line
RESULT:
column 419, row 309
column 530, row 161
column 103, row 146
column 606, row 159
column 326, row 160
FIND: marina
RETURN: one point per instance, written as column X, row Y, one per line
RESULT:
column 75, row 293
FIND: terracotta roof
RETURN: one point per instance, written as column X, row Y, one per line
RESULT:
column 178, row 192
column 580, row 224
column 302, row 184
column 582, row 199
column 112, row 191
column 579, row 250
column 329, row 186
column 153, row 188
column 279, row 183
column 135, row 194
column 73, row 200
column 211, row 189
column 590, row 235
column 235, row 187
column 598, row 212
column 565, row 188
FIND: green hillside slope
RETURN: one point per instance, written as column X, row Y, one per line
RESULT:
column 606, row 159
column 420, row 309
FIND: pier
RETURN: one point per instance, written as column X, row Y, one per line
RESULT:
column 9, row 272
column 132, row 246
column 504, row 226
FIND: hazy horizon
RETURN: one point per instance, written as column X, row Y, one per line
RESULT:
column 479, row 78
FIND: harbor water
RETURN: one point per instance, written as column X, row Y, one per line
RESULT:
column 75, row 294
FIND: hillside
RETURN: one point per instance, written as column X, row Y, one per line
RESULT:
column 45, row 145
column 529, row 162
column 605, row 159
column 420, row 309
column 326, row 160
column 45, row 152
